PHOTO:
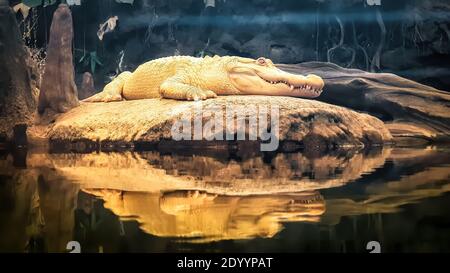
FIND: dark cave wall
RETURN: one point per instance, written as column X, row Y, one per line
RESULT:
column 415, row 43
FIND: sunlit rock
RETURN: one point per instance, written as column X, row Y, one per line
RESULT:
column 307, row 122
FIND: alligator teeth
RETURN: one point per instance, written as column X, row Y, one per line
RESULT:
column 292, row 87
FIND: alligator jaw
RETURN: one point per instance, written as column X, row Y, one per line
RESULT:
column 308, row 90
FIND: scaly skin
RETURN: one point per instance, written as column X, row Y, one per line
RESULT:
column 189, row 78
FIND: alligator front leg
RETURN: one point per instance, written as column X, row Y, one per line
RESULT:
column 175, row 88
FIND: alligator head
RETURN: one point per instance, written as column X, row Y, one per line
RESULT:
column 262, row 77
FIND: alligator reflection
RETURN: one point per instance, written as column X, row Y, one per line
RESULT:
column 206, row 217
column 95, row 198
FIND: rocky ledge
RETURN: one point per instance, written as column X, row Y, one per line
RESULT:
column 413, row 112
column 307, row 123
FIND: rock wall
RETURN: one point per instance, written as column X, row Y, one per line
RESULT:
column 17, row 78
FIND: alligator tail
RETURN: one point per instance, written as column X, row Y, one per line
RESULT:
column 112, row 91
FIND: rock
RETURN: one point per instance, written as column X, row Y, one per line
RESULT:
column 17, row 89
column 87, row 86
column 58, row 89
column 307, row 122
column 395, row 100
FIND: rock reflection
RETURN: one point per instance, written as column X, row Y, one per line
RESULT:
column 261, row 174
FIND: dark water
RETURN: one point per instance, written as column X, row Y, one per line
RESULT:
column 226, row 202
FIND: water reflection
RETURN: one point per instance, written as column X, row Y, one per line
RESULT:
column 414, row 175
column 257, row 174
column 36, row 215
column 95, row 198
column 202, row 217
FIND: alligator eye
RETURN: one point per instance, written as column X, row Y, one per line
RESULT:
column 261, row 61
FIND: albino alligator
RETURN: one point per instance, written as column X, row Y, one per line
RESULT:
column 189, row 78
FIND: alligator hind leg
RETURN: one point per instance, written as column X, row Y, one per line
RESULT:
column 112, row 91
column 174, row 88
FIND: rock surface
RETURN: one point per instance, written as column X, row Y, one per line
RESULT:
column 307, row 122
column 410, row 109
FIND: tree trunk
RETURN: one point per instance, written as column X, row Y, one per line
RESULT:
column 87, row 86
column 58, row 90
